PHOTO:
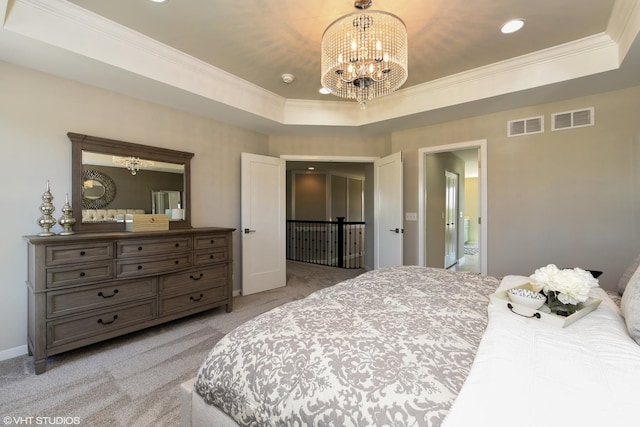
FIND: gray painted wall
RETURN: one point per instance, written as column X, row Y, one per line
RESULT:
column 570, row 197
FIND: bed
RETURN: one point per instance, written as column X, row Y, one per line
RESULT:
column 416, row 346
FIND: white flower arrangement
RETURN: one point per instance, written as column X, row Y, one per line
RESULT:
column 571, row 286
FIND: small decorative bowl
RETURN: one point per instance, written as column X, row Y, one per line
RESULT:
column 527, row 297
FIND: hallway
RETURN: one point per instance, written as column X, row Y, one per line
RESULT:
column 471, row 260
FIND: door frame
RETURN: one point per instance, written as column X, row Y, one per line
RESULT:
column 339, row 159
column 447, row 209
column 481, row 145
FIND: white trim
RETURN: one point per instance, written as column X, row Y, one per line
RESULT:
column 345, row 159
column 321, row 158
column 13, row 352
column 76, row 31
column 624, row 24
column 482, row 181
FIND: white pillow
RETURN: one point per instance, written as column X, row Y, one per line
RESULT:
column 630, row 306
column 626, row 276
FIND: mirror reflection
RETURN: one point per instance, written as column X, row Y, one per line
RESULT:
column 168, row 203
column 136, row 180
column 92, row 189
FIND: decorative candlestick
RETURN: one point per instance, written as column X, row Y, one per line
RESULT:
column 47, row 221
column 66, row 220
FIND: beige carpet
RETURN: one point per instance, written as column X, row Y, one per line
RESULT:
column 134, row 380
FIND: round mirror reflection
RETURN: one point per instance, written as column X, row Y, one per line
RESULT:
column 98, row 190
column 93, row 189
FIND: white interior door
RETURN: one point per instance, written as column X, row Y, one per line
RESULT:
column 388, row 225
column 263, row 231
column 451, row 219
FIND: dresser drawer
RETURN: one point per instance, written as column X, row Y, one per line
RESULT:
column 153, row 265
column 86, row 252
column 64, row 331
column 79, row 274
column 74, row 301
column 211, row 257
column 188, row 281
column 211, row 241
column 148, row 247
column 191, row 301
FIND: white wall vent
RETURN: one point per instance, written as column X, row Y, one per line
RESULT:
column 572, row 119
column 525, row 126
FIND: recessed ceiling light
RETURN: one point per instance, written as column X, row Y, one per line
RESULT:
column 325, row 90
column 160, row 1
column 512, row 26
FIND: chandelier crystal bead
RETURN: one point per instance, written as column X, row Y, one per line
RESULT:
column 364, row 55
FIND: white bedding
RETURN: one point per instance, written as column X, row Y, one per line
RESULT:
column 528, row 373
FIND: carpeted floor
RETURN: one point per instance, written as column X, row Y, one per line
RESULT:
column 134, row 380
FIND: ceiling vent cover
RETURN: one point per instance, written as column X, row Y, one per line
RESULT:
column 525, row 126
column 572, row 119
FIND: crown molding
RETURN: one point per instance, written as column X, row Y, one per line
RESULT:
column 624, row 24
column 66, row 26
column 590, row 55
column 70, row 27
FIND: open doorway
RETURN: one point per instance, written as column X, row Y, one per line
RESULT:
column 469, row 219
column 332, row 172
column 325, row 213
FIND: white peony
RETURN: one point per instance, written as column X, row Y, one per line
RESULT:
column 543, row 276
column 572, row 286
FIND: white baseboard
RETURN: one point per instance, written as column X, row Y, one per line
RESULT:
column 14, row 352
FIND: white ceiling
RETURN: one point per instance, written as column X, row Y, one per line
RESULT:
column 223, row 59
column 262, row 39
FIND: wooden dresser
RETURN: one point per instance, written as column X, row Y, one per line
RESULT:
column 90, row 287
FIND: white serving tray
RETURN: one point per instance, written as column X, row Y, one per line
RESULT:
column 501, row 299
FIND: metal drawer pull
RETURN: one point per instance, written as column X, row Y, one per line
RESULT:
column 115, row 317
column 177, row 245
column 139, row 248
column 177, row 261
column 212, row 256
column 139, row 267
column 196, row 299
column 212, row 241
column 100, row 294
column 82, row 253
column 82, row 274
column 196, row 278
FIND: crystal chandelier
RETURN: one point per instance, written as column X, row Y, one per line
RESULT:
column 133, row 164
column 364, row 54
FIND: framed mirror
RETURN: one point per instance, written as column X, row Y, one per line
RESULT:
column 111, row 178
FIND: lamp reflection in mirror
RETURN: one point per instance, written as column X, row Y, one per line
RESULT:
column 133, row 164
